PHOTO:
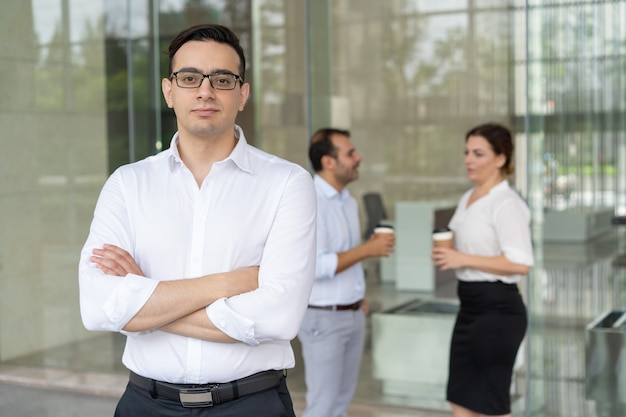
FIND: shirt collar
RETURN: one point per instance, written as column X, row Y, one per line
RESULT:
column 328, row 190
column 239, row 155
column 502, row 185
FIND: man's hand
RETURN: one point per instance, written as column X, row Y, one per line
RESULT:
column 380, row 244
column 365, row 306
column 113, row 260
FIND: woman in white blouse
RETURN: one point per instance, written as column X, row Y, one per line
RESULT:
column 493, row 251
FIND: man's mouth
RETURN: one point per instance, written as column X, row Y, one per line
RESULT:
column 205, row 111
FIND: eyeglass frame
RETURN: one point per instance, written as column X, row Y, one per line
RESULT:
column 237, row 78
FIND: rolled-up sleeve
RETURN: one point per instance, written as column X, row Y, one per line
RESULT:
column 326, row 265
column 230, row 322
column 326, row 257
column 275, row 310
column 512, row 223
column 108, row 302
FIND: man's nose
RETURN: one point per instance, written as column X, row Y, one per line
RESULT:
column 206, row 89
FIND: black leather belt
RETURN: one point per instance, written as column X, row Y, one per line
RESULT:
column 353, row 306
column 206, row 395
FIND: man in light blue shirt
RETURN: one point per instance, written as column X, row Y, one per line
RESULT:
column 333, row 330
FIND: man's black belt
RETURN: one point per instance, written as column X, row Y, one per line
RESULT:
column 353, row 306
column 206, row 395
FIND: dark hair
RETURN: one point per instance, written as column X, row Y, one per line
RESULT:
column 321, row 144
column 501, row 141
column 204, row 32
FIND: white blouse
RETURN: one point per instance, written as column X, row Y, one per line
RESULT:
column 496, row 224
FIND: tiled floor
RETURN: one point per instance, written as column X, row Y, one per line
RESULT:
column 575, row 284
column 18, row 401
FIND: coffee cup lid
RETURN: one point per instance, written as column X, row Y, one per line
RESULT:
column 443, row 235
column 442, row 230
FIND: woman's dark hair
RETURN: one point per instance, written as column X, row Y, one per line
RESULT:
column 204, row 32
column 321, row 144
column 501, row 141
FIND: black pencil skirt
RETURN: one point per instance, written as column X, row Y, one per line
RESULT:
column 488, row 331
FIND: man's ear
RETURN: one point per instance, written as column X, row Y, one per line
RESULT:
column 166, row 88
column 328, row 162
column 244, row 94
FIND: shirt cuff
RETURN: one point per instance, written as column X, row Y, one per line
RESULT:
column 518, row 257
column 326, row 266
column 231, row 323
column 127, row 299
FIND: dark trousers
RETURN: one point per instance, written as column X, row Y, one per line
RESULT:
column 275, row 402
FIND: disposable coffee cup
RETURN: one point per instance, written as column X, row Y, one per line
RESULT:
column 443, row 238
column 383, row 228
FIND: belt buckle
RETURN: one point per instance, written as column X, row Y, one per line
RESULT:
column 196, row 397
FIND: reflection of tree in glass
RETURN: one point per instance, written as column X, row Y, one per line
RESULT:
column 426, row 78
column 273, row 60
column 69, row 75
column 576, row 101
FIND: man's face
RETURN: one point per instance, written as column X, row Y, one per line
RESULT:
column 205, row 112
column 347, row 161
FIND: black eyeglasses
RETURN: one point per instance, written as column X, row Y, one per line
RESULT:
column 218, row 80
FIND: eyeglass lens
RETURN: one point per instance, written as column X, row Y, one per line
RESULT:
column 219, row 81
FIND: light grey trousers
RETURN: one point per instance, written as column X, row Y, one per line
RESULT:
column 332, row 346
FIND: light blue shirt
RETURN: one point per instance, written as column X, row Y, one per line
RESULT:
column 338, row 230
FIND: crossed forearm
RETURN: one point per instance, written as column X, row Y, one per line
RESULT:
column 176, row 301
column 198, row 326
column 178, row 306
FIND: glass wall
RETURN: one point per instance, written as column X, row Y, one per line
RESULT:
column 575, row 63
column 576, row 101
column 54, row 161
column 407, row 77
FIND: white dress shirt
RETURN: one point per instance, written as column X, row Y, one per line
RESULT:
column 495, row 224
column 252, row 209
column 338, row 230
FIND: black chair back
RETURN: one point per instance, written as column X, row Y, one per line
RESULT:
column 375, row 210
